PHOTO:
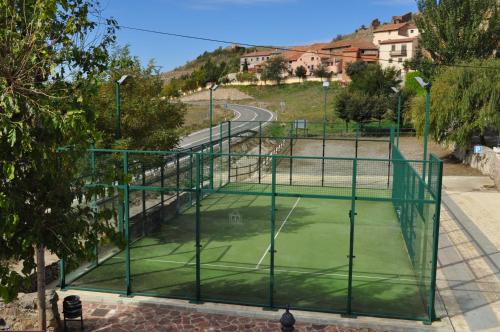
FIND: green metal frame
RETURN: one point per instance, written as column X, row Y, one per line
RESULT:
column 408, row 190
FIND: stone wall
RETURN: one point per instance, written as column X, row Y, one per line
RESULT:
column 487, row 162
column 51, row 274
column 21, row 314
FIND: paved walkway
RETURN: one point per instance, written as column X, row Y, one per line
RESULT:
column 469, row 254
column 154, row 317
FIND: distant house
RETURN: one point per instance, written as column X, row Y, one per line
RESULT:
column 342, row 53
column 397, row 42
column 255, row 60
column 308, row 56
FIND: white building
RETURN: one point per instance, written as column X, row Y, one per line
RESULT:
column 397, row 42
column 255, row 60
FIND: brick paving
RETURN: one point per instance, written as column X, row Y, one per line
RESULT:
column 152, row 317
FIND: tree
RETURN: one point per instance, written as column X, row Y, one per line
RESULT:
column 355, row 68
column 301, row 72
column 48, row 67
column 373, row 80
column 321, row 72
column 246, row 77
column 465, row 102
column 245, row 66
column 452, row 30
column 359, row 107
column 148, row 121
column 341, row 107
column 274, row 69
column 378, row 106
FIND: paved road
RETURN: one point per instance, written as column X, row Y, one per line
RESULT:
column 243, row 114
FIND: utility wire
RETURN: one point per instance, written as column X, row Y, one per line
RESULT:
column 171, row 34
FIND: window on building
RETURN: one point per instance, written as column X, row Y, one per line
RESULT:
column 400, row 60
column 312, row 58
column 403, row 47
column 393, row 47
column 411, row 31
column 390, row 60
column 257, row 59
column 267, row 58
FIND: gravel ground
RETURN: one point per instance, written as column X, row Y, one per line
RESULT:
column 411, row 147
column 219, row 94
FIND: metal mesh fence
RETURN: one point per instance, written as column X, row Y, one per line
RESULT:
column 335, row 234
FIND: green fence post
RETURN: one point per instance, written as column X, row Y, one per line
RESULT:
column 357, row 142
column 435, row 243
column 391, row 143
column 260, row 150
column 177, row 184
column 62, row 274
column 291, row 152
column 125, row 186
column 202, row 166
column 197, row 229
column 229, row 151
column 352, row 214
column 93, row 203
column 191, row 178
column 143, row 199
column 273, row 226
column 220, row 153
column 323, row 159
column 162, row 181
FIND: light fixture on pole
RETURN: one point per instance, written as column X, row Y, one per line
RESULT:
column 427, row 86
column 398, row 92
column 326, row 85
column 212, row 88
column 118, row 83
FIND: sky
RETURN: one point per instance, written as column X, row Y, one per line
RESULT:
column 261, row 22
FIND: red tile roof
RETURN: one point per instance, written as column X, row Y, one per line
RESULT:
column 397, row 41
column 260, row 53
column 359, row 43
column 389, row 27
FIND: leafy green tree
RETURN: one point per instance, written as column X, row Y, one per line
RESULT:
column 246, row 77
column 452, row 30
column 378, row 106
column 321, row 72
column 48, row 67
column 245, row 66
column 341, row 107
column 274, row 69
column 360, row 106
column 355, row 68
column 301, row 72
column 148, row 120
column 173, row 88
column 373, row 80
column 421, row 63
column 465, row 102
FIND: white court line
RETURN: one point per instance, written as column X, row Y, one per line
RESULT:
column 276, row 270
column 276, row 235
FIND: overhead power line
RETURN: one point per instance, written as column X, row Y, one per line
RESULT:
column 178, row 35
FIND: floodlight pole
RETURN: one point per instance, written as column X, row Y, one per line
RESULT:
column 399, row 119
column 426, row 126
column 326, row 84
column 211, row 175
column 119, row 82
column 118, row 111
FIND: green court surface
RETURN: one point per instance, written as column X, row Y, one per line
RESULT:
column 311, row 260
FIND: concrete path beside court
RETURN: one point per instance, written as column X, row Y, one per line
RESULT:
column 469, row 253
